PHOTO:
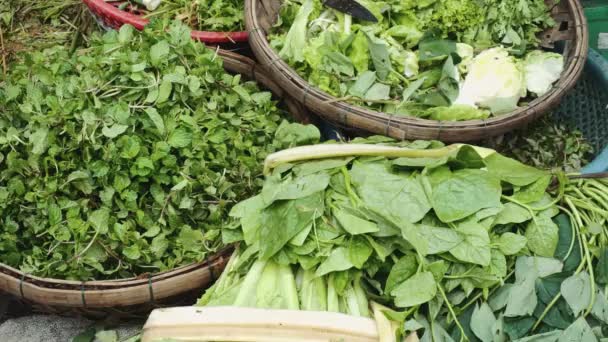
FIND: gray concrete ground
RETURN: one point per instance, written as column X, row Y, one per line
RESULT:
column 48, row 328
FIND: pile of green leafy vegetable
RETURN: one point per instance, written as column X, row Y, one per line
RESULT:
column 546, row 144
column 437, row 59
column 202, row 15
column 452, row 242
column 125, row 157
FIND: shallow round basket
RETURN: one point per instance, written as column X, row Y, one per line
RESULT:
column 570, row 31
column 108, row 13
column 135, row 297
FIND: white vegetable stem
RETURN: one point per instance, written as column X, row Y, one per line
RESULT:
column 312, row 152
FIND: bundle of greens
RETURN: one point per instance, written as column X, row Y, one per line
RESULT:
column 434, row 238
column 203, row 15
column 124, row 158
column 439, row 59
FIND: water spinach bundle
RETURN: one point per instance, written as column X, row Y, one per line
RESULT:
column 448, row 60
column 451, row 242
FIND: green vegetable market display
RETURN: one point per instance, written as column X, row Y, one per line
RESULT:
column 455, row 243
column 124, row 158
column 203, row 15
column 448, row 60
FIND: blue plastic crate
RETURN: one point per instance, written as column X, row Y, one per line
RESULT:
column 586, row 107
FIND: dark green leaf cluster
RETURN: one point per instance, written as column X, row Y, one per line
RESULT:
column 125, row 157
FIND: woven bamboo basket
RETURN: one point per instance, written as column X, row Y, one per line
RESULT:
column 570, row 31
column 136, row 297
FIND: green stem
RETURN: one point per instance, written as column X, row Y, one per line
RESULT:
column 463, row 336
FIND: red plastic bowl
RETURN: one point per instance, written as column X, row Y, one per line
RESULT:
column 114, row 17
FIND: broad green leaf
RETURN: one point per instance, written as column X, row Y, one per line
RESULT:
column 600, row 307
column 510, row 243
column 418, row 289
column 475, row 245
column 512, row 171
column 354, row 225
column 543, row 235
column 378, row 50
column 513, row 213
column 378, row 92
column 362, row 84
column 401, row 271
column 285, row 219
column 535, row 267
column 518, row 327
column 567, row 247
column 359, row 251
column 500, row 298
column 439, row 240
column 294, row 188
column 338, row 260
column 522, row 299
column 482, row 322
column 576, row 290
column 464, row 193
column 533, row 192
column 498, row 264
column 387, row 193
column 578, row 331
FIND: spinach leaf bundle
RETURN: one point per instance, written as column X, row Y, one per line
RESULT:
column 125, row 157
column 428, row 229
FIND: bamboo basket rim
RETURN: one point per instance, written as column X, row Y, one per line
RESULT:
column 404, row 127
column 149, row 288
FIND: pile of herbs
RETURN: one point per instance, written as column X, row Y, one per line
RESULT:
column 547, row 144
column 203, row 15
column 455, row 243
column 440, row 59
column 125, row 157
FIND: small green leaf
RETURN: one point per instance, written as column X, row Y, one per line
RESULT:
column 338, row 260
column 159, row 52
column 157, row 120
column 99, row 220
column 180, row 138
column 114, row 131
